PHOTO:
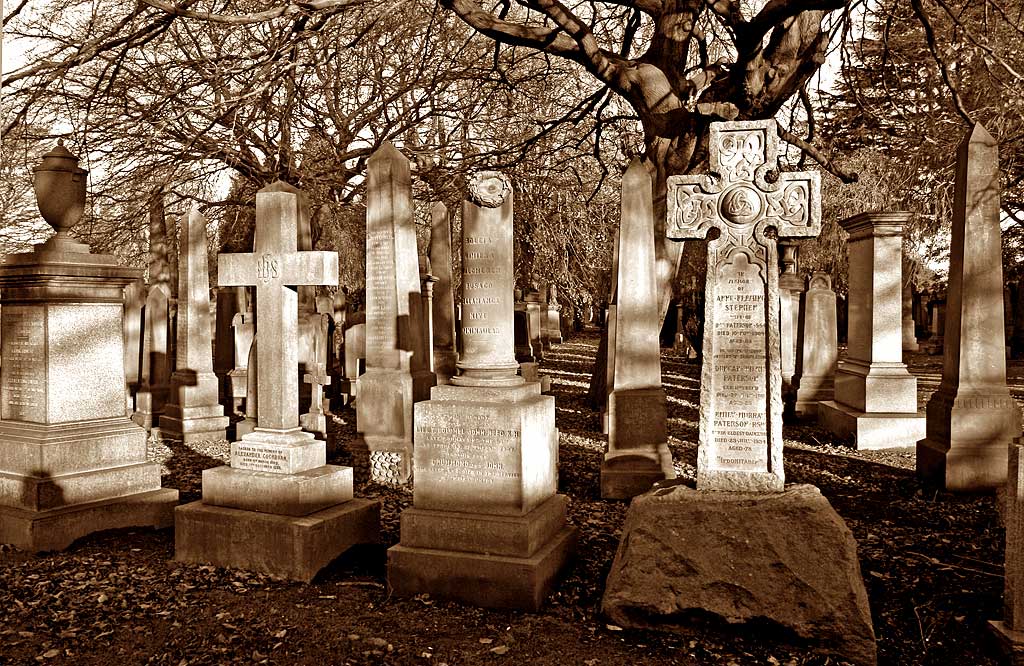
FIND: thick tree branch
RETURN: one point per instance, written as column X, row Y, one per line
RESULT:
column 602, row 64
column 819, row 157
column 543, row 39
column 775, row 13
column 289, row 9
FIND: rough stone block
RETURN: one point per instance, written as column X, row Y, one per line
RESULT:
column 292, row 547
column 786, row 558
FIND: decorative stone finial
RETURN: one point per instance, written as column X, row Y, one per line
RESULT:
column 60, row 189
column 489, row 189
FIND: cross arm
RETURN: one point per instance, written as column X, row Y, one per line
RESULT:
column 794, row 206
column 692, row 211
column 310, row 269
column 236, row 269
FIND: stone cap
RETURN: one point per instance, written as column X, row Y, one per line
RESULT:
column 876, row 223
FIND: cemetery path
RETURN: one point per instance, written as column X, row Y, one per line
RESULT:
column 932, row 564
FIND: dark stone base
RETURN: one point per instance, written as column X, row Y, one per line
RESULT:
column 56, row 529
column 489, row 581
column 624, row 483
column 292, row 547
column 1011, row 642
column 962, row 468
column 786, row 559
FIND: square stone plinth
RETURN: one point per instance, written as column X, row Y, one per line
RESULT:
column 292, row 547
column 56, row 529
column 33, row 448
column 489, row 581
column 297, row 494
column 42, row 492
column 876, row 387
column 488, row 450
column 1011, row 642
column 872, row 431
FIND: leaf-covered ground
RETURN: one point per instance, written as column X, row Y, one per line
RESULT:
column 932, row 564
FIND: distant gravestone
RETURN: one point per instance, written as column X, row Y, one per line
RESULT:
column 355, row 361
column 243, row 326
column 134, row 307
column 791, row 287
column 1010, row 630
column 637, row 454
column 278, row 508
column 155, row 364
column 741, row 401
column 552, row 316
column 396, row 374
column 909, row 329
column 972, row 419
column 816, row 370
column 230, row 302
column 193, row 411
column 487, row 525
column 445, row 354
column 875, row 402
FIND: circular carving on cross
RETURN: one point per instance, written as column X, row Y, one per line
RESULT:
column 489, row 188
column 740, row 204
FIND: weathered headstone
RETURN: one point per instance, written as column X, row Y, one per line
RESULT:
column 396, row 374
column 230, row 302
column 909, row 332
column 875, row 401
column 252, row 391
column 972, row 419
column 662, row 575
column 791, row 286
column 73, row 463
column 278, row 508
column 819, row 357
column 134, row 306
column 741, row 393
column 445, row 354
column 487, row 526
column 315, row 419
column 552, row 316
column 637, row 454
column 193, row 410
column 355, row 361
column 243, row 326
column 1010, row 630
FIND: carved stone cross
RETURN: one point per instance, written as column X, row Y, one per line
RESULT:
column 742, row 207
column 275, row 268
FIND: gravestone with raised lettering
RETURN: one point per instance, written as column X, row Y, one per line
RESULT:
column 445, row 353
column 816, row 367
column 193, row 410
column 487, row 526
column 637, row 455
column 754, row 540
column 741, row 392
column 972, row 419
column 875, row 402
column 73, row 463
column 278, row 508
column 397, row 374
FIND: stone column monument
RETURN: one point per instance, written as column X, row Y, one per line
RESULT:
column 875, row 396
column 487, row 526
column 73, row 463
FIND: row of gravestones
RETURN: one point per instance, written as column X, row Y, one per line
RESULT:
column 487, row 525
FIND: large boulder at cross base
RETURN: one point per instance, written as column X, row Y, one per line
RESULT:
column 775, row 559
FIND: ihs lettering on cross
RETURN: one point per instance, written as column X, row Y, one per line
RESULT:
column 742, row 206
column 275, row 268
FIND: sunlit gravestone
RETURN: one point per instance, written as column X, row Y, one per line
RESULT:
column 278, row 507
column 741, row 389
column 735, row 548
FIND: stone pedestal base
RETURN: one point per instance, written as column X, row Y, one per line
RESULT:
column 56, row 529
column 444, row 365
column 289, row 546
column 149, row 405
column 678, row 561
column 968, row 439
column 638, row 454
column 384, row 420
column 485, row 560
column 192, row 424
column 238, row 383
column 1011, row 642
column 872, row 430
column 876, row 387
column 811, row 391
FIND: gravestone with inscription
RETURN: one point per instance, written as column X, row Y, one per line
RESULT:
column 637, row 455
column 875, row 402
column 741, row 401
column 972, row 419
column 816, row 367
column 278, row 508
column 397, row 374
column 193, row 411
column 73, row 463
column 487, row 526
column 753, row 540
column 445, row 353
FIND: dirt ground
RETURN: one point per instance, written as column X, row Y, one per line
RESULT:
column 932, row 564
